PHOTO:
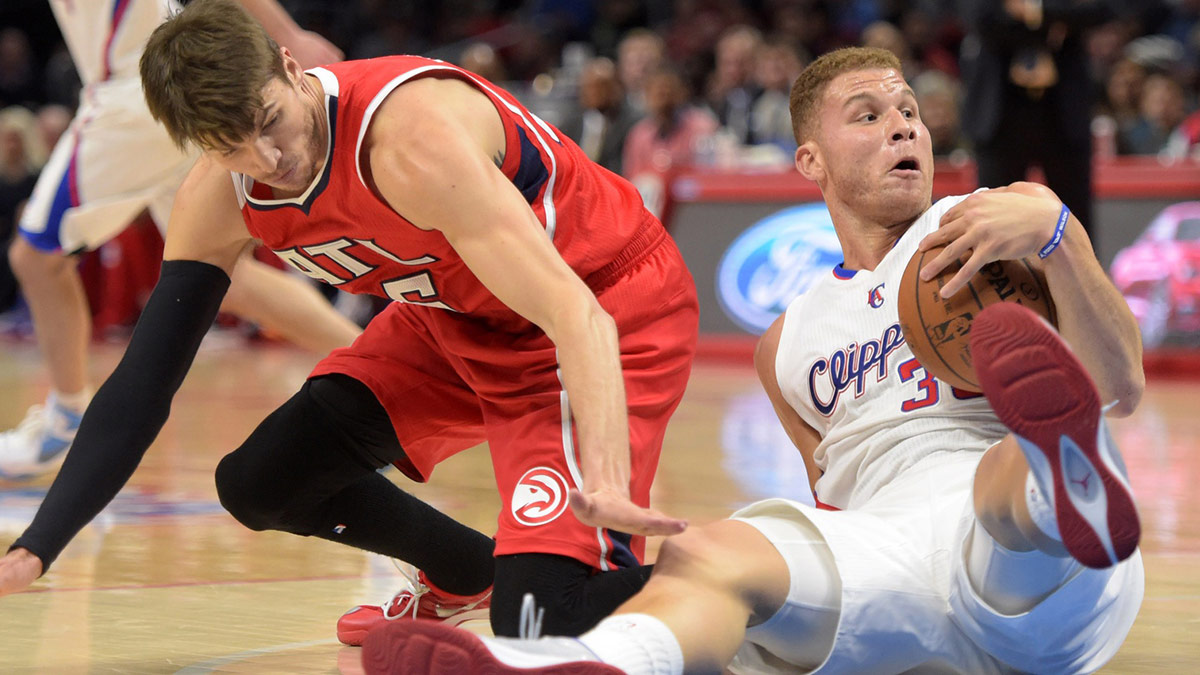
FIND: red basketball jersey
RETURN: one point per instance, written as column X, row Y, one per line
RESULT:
column 341, row 233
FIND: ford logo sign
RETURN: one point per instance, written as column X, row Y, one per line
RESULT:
column 773, row 261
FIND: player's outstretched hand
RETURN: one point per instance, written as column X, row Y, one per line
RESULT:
column 1007, row 223
column 615, row 511
column 18, row 569
column 312, row 50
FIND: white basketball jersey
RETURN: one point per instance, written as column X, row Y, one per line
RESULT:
column 844, row 367
column 106, row 37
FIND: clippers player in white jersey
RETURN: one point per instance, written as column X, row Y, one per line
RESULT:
column 112, row 163
column 958, row 534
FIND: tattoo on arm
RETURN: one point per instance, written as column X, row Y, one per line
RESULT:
column 498, row 159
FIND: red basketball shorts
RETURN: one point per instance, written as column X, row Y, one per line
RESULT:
column 448, row 383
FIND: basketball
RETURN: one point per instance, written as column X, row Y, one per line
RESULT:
column 939, row 330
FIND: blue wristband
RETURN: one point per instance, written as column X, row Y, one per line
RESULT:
column 1056, row 239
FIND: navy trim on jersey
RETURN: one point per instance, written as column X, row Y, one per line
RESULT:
column 326, row 173
column 843, row 273
column 50, row 238
column 531, row 173
column 622, row 555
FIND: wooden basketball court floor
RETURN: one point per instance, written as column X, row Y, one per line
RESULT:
column 165, row 582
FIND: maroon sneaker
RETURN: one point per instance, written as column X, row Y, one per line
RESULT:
column 1044, row 395
column 433, row 648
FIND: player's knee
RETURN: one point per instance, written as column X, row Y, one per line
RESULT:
column 691, row 554
column 244, row 493
column 27, row 261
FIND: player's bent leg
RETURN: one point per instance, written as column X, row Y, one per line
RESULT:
column 288, row 306
column 62, row 324
column 51, row 284
column 1044, row 395
column 1000, row 501
column 310, row 469
column 707, row 584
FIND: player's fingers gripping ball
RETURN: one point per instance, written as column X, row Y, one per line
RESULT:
column 938, row 329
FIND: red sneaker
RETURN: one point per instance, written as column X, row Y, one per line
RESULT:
column 421, row 600
column 1045, row 396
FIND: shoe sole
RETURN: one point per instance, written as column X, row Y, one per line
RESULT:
column 437, row 649
column 1044, row 395
column 353, row 637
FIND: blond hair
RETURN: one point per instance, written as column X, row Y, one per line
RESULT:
column 23, row 123
column 203, row 73
column 810, row 86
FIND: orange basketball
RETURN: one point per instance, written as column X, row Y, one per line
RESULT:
column 938, row 330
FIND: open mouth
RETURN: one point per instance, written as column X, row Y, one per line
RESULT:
column 907, row 164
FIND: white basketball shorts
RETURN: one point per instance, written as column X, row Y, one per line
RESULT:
column 113, row 162
column 906, row 601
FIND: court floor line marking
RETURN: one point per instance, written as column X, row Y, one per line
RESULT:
column 212, row 664
column 183, row 584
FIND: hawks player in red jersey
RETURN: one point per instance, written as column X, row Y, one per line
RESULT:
column 539, row 307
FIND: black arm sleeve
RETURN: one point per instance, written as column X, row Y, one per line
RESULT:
column 131, row 406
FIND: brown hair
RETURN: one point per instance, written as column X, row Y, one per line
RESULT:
column 203, row 72
column 810, row 86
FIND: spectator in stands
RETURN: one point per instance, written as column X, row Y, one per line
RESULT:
column 1184, row 142
column 52, row 123
column 667, row 137
column 1122, row 93
column 19, row 81
column 939, row 97
column 1161, row 110
column 389, row 29
column 639, row 54
column 615, row 18
column 19, row 146
column 480, row 58
column 884, row 35
column 776, row 66
column 604, row 118
column 731, row 89
column 61, row 82
column 807, row 23
column 922, row 32
column 1028, row 97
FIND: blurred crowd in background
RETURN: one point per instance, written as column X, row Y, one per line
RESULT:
column 655, row 85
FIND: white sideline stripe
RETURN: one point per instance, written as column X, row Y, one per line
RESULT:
column 573, row 464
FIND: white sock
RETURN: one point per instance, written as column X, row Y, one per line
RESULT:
column 1041, row 508
column 77, row 401
column 638, row 644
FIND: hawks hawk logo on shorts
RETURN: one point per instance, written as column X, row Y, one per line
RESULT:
column 540, row 497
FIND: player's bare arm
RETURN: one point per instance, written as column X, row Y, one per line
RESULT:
column 206, row 223
column 1017, row 222
column 803, row 436
column 431, row 149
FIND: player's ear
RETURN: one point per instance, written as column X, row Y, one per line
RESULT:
column 809, row 162
column 290, row 65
